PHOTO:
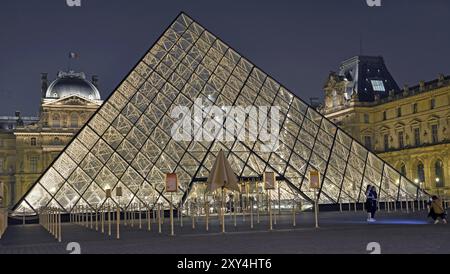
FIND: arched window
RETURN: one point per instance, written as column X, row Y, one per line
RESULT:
column 56, row 141
column 420, row 172
column 56, row 121
column 439, row 173
column 403, row 170
column 74, row 120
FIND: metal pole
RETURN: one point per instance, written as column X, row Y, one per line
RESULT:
column 270, row 210
column 159, row 219
column 59, row 228
column 102, row 218
column 181, row 216
column 96, row 218
column 109, row 220
column 140, row 217
column 223, row 213
column 251, row 213
column 149, row 219
column 316, row 213
column 293, row 214
column 171, row 215
column 118, row 222
column 207, row 215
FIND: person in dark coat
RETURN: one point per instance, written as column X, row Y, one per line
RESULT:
column 374, row 201
column 368, row 202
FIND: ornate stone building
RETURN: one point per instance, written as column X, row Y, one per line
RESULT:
column 408, row 127
column 28, row 145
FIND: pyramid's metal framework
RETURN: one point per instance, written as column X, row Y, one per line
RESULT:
column 127, row 142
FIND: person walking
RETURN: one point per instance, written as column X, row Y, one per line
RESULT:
column 437, row 210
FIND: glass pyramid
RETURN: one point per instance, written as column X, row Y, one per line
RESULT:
column 127, row 143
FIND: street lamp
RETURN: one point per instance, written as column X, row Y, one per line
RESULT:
column 437, row 187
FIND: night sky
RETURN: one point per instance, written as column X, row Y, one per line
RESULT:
column 297, row 42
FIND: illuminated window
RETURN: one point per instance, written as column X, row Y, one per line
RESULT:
column 378, row 85
column 74, row 120
column 420, row 172
column 56, row 121
column 366, row 118
column 34, row 164
column 434, row 134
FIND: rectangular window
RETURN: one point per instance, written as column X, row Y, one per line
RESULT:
column 434, row 133
column 1, row 165
column 34, row 164
column 377, row 85
column 401, row 143
column 33, row 142
column 368, row 142
column 384, row 116
column 433, row 103
column 386, row 142
column 414, row 108
column 417, row 136
column 366, row 118
column 399, row 112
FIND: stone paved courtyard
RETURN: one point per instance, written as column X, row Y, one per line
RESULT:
column 339, row 232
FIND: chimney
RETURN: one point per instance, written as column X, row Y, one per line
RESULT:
column 44, row 84
column 95, row 80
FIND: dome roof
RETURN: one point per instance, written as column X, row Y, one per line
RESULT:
column 72, row 83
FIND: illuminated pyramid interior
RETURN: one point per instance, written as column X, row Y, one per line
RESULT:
column 127, row 143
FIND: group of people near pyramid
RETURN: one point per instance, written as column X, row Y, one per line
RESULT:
column 436, row 209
